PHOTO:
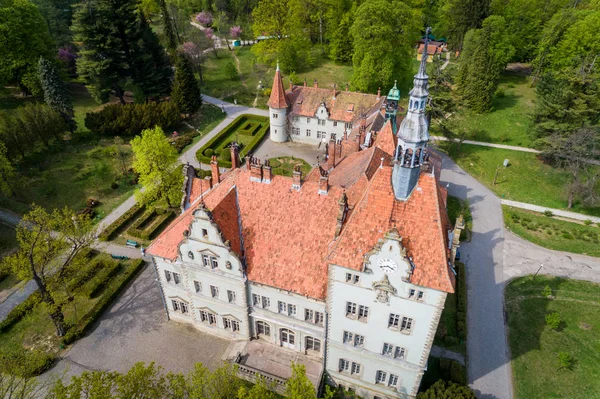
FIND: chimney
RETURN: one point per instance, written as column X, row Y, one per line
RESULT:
column 291, row 85
column 316, row 84
column 331, row 154
column 324, row 184
column 296, row 178
column 214, row 166
column 304, row 82
column 208, row 181
column 458, row 228
column 235, row 155
column 256, row 170
column 267, row 175
column 248, row 160
column 343, row 210
column 334, row 90
column 347, row 87
column 378, row 93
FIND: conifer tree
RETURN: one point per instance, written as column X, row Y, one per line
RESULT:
column 186, row 92
column 168, row 26
column 56, row 94
column 340, row 47
column 152, row 70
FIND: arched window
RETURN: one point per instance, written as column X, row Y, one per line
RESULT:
column 287, row 338
column 411, row 102
column 313, row 344
column 408, row 156
column 423, row 104
column 191, row 255
column 263, row 328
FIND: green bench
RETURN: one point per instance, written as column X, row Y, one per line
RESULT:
column 120, row 257
column 131, row 243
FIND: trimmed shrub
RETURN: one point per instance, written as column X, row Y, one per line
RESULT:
column 97, row 284
column 85, row 275
column 154, row 228
column 226, row 155
column 25, row 363
column 92, row 315
column 131, row 119
column 209, row 152
column 461, row 300
column 111, row 230
column 20, row 311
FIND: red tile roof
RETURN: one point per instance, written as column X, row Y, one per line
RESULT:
column 432, row 49
column 305, row 101
column 278, row 99
column 288, row 235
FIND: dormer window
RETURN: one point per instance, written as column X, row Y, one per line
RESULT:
column 214, row 263
column 350, row 108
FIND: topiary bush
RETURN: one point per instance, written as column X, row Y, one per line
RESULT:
column 112, row 229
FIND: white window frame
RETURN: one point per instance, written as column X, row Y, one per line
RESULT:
column 231, row 296
column 351, row 308
column 214, row 263
column 380, row 377
column 319, row 318
column 407, row 324
column 393, row 380
column 214, row 291
column 168, row 276
column 264, row 326
column 356, row 368
column 393, row 321
column 387, row 350
column 313, row 344
column 208, row 317
column 266, row 302
column 176, row 278
column 363, row 313
column 400, row 353
column 309, row 315
column 343, row 365
column 205, row 260
column 308, row 132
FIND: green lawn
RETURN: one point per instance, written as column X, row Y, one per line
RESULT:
column 284, row 166
column 526, row 179
column 535, row 348
column 510, row 121
column 553, row 233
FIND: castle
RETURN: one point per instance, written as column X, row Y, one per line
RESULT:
column 345, row 270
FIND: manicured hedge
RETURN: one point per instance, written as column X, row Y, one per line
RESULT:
column 131, row 119
column 214, row 143
column 108, row 268
column 111, row 230
column 461, row 302
column 20, row 311
column 25, row 363
column 85, row 275
column 157, row 225
column 250, row 129
column 110, row 295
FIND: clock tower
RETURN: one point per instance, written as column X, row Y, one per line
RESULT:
column 413, row 134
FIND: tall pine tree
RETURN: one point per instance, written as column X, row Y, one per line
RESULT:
column 186, row 92
column 56, row 94
column 168, row 24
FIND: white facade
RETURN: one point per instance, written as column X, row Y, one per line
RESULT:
column 278, row 121
column 316, row 129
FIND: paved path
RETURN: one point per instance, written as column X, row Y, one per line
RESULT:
column 493, row 258
column 447, row 61
column 556, row 212
column 484, row 144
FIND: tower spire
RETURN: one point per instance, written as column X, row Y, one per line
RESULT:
column 424, row 55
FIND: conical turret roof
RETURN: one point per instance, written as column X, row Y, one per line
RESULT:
column 277, row 99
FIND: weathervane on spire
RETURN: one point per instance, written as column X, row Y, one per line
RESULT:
column 277, row 65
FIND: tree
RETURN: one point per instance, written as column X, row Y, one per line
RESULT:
column 49, row 245
column 15, row 387
column 57, row 16
column 258, row 391
column 447, row 390
column 573, row 154
column 299, row 386
column 383, row 33
column 38, row 123
column 485, row 55
column 194, row 53
column 186, row 92
column 340, row 46
column 457, row 17
column 7, row 172
column 120, row 154
column 205, row 18
column 155, row 160
column 56, row 94
column 172, row 41
column 24, row 37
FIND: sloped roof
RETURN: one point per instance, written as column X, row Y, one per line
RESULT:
column 277, row 99
column 346, row 107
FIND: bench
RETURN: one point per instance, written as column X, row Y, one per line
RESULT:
column 120, row 257
column 131, row 243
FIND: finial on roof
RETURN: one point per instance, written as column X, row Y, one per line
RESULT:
column 277, row 70
column 423, row 65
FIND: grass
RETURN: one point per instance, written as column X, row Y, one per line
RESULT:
column 284, row 166
column 526, row 179
column 535, row 348
column 553, row 233
column 510, row 121
column 36, row 331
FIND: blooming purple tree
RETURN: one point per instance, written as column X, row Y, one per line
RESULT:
column 235, row 32
column 68, row 55
column 194, row 53
column 204, row 18
column 210, row 35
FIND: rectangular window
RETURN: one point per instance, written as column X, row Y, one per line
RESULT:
column 235, row 325
column 176, row 278
column 363, row 312
column 348, row 277
column 319, row 318
column 352, row 278
column 359, row 340
column 309, row 315
column 204, row 233
column 420, row 295
column 334, row 123
column 207, row 317
column 307, row 132
column 184, row 307
column 214, row 291
column 344, row 365
column 205, row 260
column 168, row 275
column 307, row 120
column 332, row 136
column 321, row 122
column 380, row 377
column 282, row 306
column 226, row 323
column 400, row 353
column 292, row 310
column 275, row 116
column 411, row 293
column 313, row 344
column 321, row 135
column 355, row 368
column 296, row 119
column 175, row 305
column 348, row 125
column 231, row 296
column 230, row 324
column 266, row 302
column 197, row 286
column 212, row 319
column 348, row 337
column 407, row 323
column 179, row 306
column 388, row 349
column 214, row 262
column 255, row 300
column 350, row 309
column 296, row 131
column 393, row 381
column 393, row 321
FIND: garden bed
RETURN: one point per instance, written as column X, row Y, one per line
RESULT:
column 239, row 131
column 537, row 349
column 452, row 329
column 284, row 166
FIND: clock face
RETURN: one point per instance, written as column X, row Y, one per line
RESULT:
column 388, row 265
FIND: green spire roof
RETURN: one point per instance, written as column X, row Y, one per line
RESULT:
column 394, row 93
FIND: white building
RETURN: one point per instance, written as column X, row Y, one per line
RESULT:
column 346, row 268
